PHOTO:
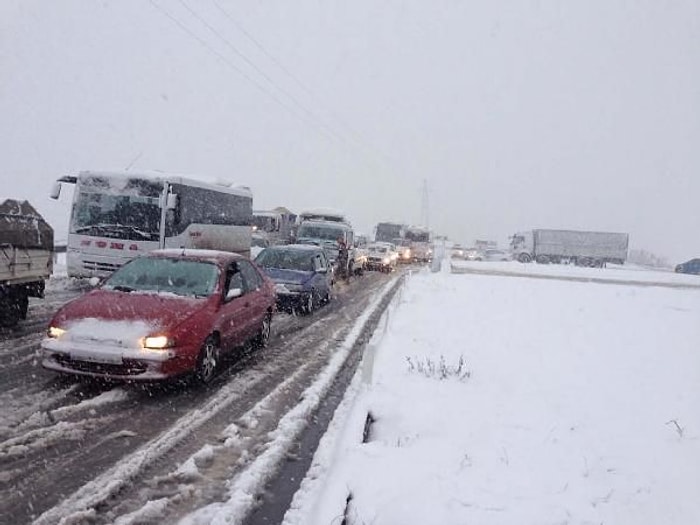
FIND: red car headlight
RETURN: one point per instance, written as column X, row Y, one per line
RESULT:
column 157, row 342
column 54, row 332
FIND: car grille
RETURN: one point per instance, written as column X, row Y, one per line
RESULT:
column 127, row 368
column 95, row 266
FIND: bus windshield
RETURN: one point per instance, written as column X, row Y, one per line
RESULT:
column 130, row 217
column 320, row 232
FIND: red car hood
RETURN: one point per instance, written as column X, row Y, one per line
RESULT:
column 157, row 310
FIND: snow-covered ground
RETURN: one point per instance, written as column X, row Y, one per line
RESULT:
column 627, row 273
column 575, row 402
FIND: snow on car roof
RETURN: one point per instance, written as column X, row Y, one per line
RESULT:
column 191, row 253
column 306, row 247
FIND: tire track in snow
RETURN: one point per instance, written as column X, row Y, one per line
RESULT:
column 107, row 489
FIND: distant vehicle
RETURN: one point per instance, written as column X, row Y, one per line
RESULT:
column 420, row 244
column 691, row 266
column 258, row 242
column 277, row 225
column 472, row 254
column 302, row 274
column 117, row 216
column 457, row 251
column 403, row 248
column 361, row 241
column 323, row 214
column 389, row 232
column 381, row 257
column 482, row 245
column 393, row 250
column 26, row 258
column 583, row 248
column 329, row 235
column 494, row 254
column 166, row 314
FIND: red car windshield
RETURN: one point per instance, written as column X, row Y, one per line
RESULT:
column 161, row 274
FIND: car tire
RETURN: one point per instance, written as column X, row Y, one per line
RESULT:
column 208, row 360
column 309, row 303
column 263, row 336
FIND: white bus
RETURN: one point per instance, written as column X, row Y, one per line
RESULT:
column 119, row 215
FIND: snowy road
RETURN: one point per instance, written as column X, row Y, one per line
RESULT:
column 87, row 452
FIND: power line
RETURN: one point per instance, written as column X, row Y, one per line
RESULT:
column 232, row 66
column 262, row 49
column 252, row 64
column 357, row 137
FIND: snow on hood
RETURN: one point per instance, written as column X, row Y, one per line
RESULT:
column 158, row 311
column 123, row 333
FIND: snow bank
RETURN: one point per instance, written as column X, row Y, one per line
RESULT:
column 624, row 274
column 575, row 403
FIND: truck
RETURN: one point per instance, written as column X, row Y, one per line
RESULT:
column 419, row 241
column 277, row 226
column 583, row 248
column 392, row 232
column 26, row 258
column 328, row 229
column 322, row 214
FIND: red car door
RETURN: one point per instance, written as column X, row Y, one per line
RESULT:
column 235, row 311
column 256, row 294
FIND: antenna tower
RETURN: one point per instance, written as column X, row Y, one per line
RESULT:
column 425, row 206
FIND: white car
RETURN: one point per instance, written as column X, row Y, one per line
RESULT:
column 381, row 257
column 457, row 251
column 393, row 251
column 494, row 254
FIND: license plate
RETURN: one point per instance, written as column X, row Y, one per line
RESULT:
column 112, row 359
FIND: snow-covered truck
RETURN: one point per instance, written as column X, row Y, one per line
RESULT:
column 26, row 258
column 583, row 248
column 420, row 242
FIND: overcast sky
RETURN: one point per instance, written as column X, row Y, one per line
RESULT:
column 518, row 114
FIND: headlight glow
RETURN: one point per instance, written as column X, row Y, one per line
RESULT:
column 55, row 332
column 386, row 260
column 157, row 342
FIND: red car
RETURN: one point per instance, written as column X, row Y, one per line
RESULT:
column 166, row 314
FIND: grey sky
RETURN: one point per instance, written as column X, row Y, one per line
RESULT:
column 519, row 114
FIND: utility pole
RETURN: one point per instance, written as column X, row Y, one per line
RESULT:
column 425, row 206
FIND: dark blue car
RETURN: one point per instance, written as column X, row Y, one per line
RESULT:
column 302, row 275
column 691, row 266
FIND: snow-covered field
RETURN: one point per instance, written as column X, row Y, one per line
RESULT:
column 627, row 273
column 576, row 403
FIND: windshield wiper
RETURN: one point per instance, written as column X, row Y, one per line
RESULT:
column 122, row 288
column 112, row 230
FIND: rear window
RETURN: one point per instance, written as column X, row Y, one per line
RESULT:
column 287, row 259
